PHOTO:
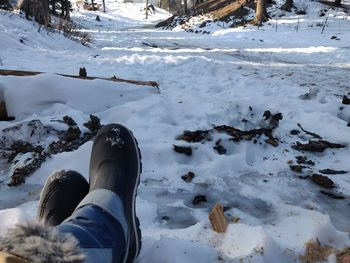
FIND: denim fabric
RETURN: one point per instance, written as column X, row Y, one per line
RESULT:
column 95, row 226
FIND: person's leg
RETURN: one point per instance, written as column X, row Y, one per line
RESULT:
column 61, row 194
column 105, row 223
column 41, row 242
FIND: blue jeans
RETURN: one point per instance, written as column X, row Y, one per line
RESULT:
column 100, row 227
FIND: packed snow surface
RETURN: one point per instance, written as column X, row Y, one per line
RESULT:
column 230, row 77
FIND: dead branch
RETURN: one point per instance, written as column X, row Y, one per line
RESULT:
column 23, row 73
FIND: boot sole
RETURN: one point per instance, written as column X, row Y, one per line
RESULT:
column 134, row 243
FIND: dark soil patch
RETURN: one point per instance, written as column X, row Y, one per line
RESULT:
column 219, row 148
column 94, row 125
column 294, row 132
column 304, row 160
column 187, row 150
column 62, row 141
column 188, row 177
column 195, row 136
column 69, row 121
column 297, row 168
column 198, row 199
column 346, row 100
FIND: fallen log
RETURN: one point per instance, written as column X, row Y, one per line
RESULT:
column 24, row 73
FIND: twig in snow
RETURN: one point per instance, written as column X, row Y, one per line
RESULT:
column 310, row 133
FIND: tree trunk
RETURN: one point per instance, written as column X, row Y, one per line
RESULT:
column 146, row 9
column 287, row 6
column 261, row 13
column 185, row 6
column 39, row 9
column 93, row 5
column 53, row 7
column 104, row 6
column 67, row 10
column 337, row 3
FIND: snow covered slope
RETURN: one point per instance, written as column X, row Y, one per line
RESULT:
column 230, row 77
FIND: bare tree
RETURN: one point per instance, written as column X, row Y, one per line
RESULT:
column 261, row 13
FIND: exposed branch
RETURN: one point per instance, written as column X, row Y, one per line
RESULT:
column 22, row 73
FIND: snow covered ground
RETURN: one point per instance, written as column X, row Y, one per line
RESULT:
column 230, row 77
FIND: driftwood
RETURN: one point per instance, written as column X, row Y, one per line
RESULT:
column 217, row 219
column 22, row 73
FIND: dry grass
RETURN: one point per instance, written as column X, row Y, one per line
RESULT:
column 315, row 252
column 71, row 30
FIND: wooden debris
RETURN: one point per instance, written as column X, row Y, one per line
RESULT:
column 330, row 171
column 195, row 136
column 22, row 73
column 297, row 168
column 344, row 259
column 70, row 140
column 344, row 256
column 94, row 124
column 82, row 72
column 183, row 149
column 188, row 177
column 332, row 195
column 346, row 100
column 72, row 134
column 217, row 219
column 317, row 146
column 3, row 112
column 239, row 135
column 219, row 148
column 304, row 160
column 310, row 133
column 315, row 252
column 273, row 141
column 322, row 180
column 273, row 119
column 294, row 132
column 69, row 121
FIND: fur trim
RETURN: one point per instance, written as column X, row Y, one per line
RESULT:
column 36, row 242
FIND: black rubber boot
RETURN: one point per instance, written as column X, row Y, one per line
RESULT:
column 61, row 194
column 115, row 165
